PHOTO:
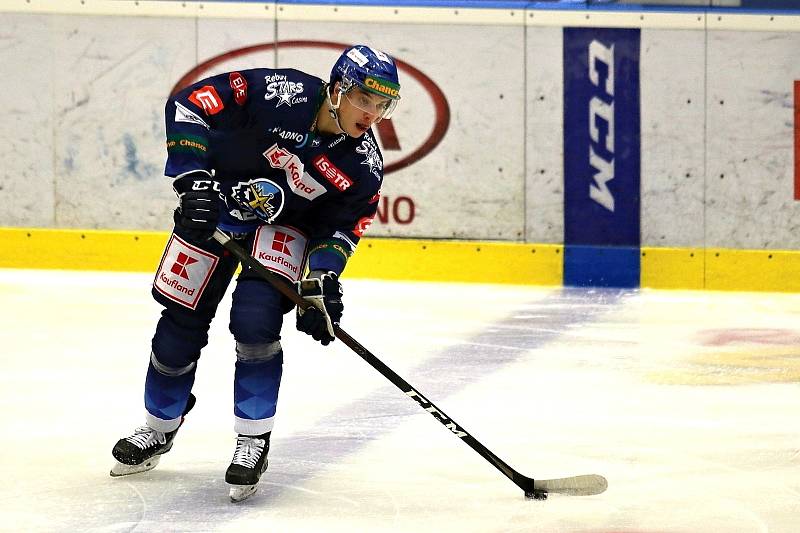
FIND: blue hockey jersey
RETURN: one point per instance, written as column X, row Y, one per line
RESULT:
column 254, row 131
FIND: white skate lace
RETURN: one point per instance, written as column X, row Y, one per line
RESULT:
column 248, row 451
column 145, row 436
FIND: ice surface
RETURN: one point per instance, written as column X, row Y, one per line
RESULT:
column 688, row 402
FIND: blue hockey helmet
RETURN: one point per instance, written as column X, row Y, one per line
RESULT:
column 371, row 70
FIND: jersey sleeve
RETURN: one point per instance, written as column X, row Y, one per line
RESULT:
column 194, row 113
column 332, row 250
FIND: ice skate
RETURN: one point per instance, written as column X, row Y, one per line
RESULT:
column 142, row 451
column 249, row 462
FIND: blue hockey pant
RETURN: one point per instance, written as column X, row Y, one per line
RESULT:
column 256, row 317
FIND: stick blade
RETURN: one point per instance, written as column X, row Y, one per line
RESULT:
column 586, row 485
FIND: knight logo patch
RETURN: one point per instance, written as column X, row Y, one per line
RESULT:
column 184, row 272
column 262, row 197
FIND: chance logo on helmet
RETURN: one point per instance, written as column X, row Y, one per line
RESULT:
column 382, row 87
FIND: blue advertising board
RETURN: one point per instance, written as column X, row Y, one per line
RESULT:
column 602, row 149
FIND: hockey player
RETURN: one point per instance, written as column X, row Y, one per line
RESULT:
column 287, row 165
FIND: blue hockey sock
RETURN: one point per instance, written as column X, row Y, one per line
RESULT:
column 255, row 388
column 165, row 396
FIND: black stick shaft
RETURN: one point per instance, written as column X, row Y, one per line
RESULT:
column 523, row 482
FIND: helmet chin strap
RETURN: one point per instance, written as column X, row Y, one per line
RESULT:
column 333, row 109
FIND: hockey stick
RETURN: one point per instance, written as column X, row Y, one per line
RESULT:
column 537, row 489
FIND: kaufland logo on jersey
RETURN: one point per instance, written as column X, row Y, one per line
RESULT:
column 176, row 284
column 281, row 241
column 397, row 151
column 277, row 260
column 280, row 158
column 281, row 249
column 179, row 268
column 184, row 272
column 300, row 182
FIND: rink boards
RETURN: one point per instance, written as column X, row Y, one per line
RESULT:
column 422, row 260
column 500, row 146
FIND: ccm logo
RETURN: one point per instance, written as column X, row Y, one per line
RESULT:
column 204, row 185
column 339, row 179
column 601, row 123
column 437, row 414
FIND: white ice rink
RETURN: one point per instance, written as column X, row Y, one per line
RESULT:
column 687, row 402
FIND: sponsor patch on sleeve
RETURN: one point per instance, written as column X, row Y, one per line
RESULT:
column 332, row 245
column 239, row 86
column 362, row 225
column 187, row 143
column 207, row 99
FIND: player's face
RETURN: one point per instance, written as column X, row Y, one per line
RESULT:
column 359, row 110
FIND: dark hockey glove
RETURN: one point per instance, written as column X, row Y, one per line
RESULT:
column 324, row 292
column 198, row 211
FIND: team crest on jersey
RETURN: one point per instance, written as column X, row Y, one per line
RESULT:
column 372, row 158
column 287, row 92
column 260, row 196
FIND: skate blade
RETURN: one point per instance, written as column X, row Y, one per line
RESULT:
column 120, row 469
column 240, row 493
